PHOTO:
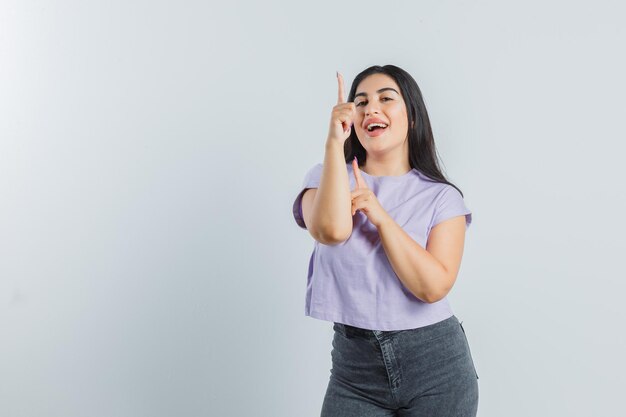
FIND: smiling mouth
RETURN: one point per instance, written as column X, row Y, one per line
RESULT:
column 376, row 125
column 376, row 131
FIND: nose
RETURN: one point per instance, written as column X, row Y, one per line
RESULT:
column 369, row 113
column 370, row 109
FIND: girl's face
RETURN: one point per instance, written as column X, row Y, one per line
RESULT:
column 378, row 99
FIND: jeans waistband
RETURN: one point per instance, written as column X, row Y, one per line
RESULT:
column 348, row 330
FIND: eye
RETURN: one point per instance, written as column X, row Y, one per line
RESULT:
column 365, row 101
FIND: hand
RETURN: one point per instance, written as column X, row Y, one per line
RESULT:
column 342, row 115
column 365, row 200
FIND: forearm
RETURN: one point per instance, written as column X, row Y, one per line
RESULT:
column 420, row 272
column 332, row 203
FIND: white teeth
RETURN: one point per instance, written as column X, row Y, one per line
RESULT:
column 371, row 125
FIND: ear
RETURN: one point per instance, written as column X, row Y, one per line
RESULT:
column 412, row 124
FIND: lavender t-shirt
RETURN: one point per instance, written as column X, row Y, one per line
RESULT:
column 353, row 282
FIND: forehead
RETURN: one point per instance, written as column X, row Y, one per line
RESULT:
column 375, row 82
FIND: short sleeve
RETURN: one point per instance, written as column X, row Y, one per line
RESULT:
column 311, row 180
column 450, row 204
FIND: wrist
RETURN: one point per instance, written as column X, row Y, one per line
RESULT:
column 386, row 222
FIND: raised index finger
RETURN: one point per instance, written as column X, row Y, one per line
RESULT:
column 341, row 95
column 360, row 183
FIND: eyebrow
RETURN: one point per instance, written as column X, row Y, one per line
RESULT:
column 379, row 91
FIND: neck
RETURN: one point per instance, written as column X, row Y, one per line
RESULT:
column 387, row 164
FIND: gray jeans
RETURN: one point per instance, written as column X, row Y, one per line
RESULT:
column 427, row 371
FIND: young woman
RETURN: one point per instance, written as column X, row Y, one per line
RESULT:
column 389, row 232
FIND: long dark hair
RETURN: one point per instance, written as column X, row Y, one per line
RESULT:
column 422, row 150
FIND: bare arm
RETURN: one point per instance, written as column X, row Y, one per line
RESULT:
column 428, row 273
column 326, row 210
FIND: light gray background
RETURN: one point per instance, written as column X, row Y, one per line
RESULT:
column 150, row 152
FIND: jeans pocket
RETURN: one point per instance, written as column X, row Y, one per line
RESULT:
column 469, row 350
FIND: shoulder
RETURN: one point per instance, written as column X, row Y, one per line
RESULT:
column 435, row 184
column 449, row 203
column 315, row 169
column 447, row 191
column 313, row 176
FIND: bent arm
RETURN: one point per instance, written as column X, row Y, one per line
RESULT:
column 429, row 273
column 326, row 211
